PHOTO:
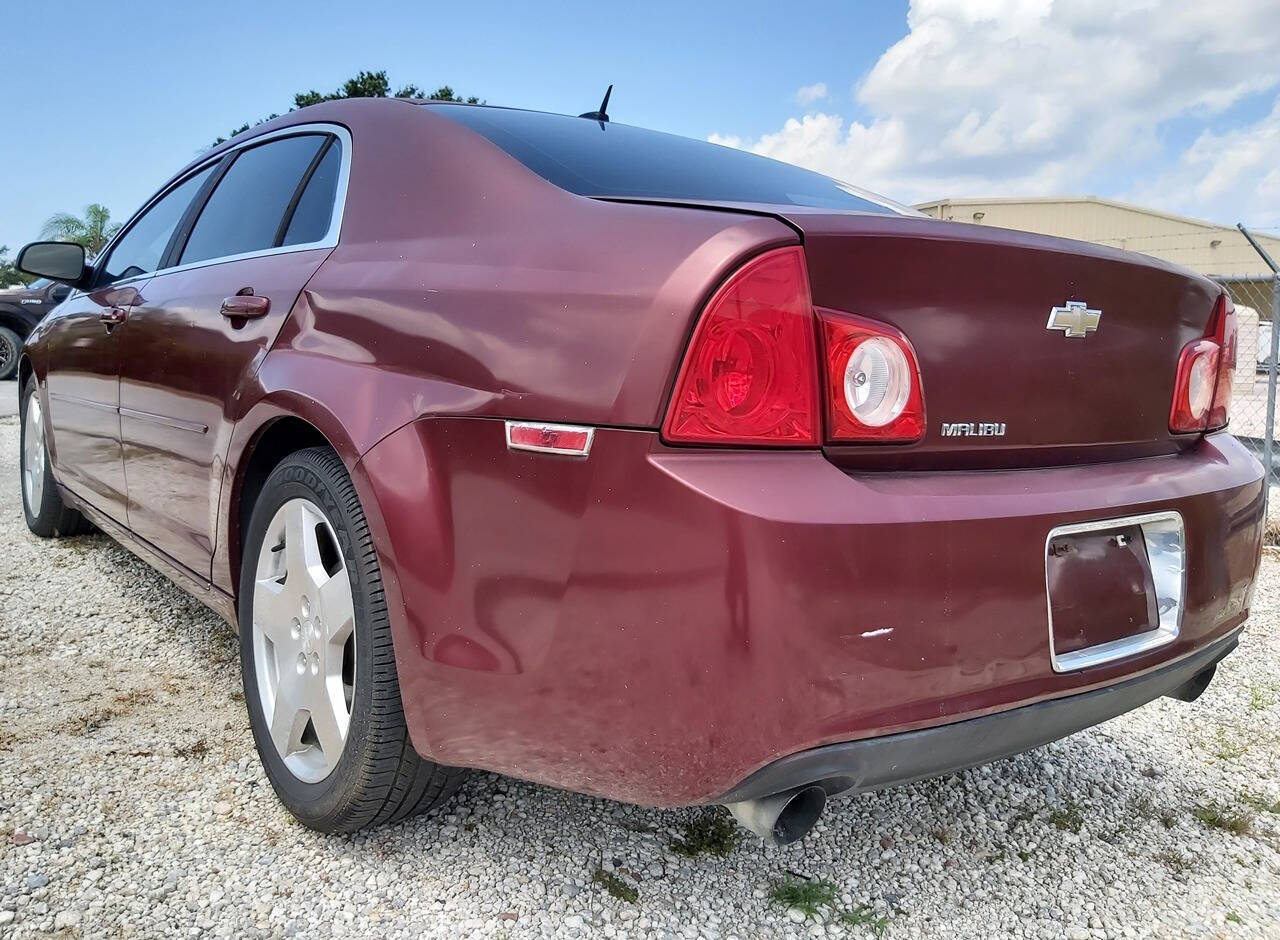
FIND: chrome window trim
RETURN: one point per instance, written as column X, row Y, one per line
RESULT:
column 226, row 259
column 330, row 239
column 1168, row 573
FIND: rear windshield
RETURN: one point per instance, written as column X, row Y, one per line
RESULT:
column 598, row 159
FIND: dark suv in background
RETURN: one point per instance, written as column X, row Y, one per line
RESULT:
column 21, row 308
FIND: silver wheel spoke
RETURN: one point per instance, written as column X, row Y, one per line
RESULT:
column 274, row 609
column 301, row 549
column 336, row 608
column 330, row 732
column 287, row 723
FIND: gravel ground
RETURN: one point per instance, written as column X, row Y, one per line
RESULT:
column 132, row 804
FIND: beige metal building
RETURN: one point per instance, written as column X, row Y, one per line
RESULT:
column 1202, row 246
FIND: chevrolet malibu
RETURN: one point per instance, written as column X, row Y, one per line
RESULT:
column 637, row 465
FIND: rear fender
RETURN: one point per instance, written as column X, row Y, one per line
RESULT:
column 295, row 384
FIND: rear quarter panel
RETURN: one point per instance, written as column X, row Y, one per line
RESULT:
column 460, row 267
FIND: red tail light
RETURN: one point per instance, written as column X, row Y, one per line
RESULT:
column 873, row 381
column 750, row 375
column 1193, row 391
column 1206, row 368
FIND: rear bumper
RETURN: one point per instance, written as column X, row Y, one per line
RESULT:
column 656, row 625
column 856, row 766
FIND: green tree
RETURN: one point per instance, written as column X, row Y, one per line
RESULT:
column 445, row 93
column 9, row 275
column 362, row 85
column 93, row 231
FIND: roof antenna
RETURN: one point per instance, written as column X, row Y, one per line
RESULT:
column 603, row 114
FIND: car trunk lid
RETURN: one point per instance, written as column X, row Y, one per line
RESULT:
column 1033, row 350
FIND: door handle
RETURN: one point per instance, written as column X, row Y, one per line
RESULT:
column 113, row 317
column 245, row 304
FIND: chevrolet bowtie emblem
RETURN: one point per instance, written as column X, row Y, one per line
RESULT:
column 1075, row 319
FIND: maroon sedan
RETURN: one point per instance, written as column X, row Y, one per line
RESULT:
column 637, row 465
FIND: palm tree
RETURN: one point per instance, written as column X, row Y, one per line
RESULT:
column 93, row 231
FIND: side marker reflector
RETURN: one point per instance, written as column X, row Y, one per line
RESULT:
column 569, row 439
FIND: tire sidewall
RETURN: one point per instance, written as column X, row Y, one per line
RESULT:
column 320, row 804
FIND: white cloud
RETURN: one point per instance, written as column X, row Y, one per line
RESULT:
column 991, row 97
column 727, row 140
column 1229, row 176
column 811, row 93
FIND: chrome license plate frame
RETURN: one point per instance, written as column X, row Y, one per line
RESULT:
column 1166, row 543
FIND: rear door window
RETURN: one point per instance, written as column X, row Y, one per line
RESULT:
column 314, row 211
column 246, row 208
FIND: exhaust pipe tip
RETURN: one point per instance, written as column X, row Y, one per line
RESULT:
column 1192, row 689
column 783, row 818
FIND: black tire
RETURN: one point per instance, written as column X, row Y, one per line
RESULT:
column 379, row 778
column 52, row 518
column 10, row 350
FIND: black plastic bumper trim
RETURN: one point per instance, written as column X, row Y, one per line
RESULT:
column 872, row 763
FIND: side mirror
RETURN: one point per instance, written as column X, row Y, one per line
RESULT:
column 58, row 261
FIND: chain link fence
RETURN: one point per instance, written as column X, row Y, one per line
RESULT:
column 1254, row 297
column 1253, row 394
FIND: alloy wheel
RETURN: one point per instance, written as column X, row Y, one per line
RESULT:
column 33, row 456
column 304, row 640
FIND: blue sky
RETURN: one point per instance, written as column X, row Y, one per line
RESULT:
column 923, row 102
column 110, row 104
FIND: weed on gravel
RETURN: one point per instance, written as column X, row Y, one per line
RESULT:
column 815, row 896
column 122, row 705
column 709, row 834
column 1176, row 862
column 1262, row 695
column 1068, row 818
column 1225, row 749
column 615, row 886
column 1262, row 804
column 1143, row 805
column 807, row 895
column 1220, row 816
column 127, row 701
column 89, row 722
column 196, row 749
column 863, row 916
